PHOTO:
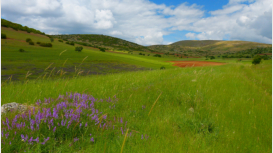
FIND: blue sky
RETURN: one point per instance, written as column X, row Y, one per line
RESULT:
column 208, row 5
column 147, row 22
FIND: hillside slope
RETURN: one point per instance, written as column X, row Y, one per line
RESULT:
column 216, row 47
column 103, row 41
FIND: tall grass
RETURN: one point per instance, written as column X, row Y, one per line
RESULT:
column 204, row 109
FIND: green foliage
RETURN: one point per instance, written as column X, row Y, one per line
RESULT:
column 70, row 43
column 21, row 50
column 162, row 68
column 139, row 53
column 212, row 57
column 265, row 57
column 78, row 49
column 60, row 40
column 38, row 42
column 102, row 49
column 15, row 26
column 157, row 55
column 46, row 44
column 28, row 40
column 3, row 36
column 51, row 39
column 257, row 59
column 31, row 43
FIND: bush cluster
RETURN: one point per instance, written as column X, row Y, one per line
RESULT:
column 60, row 40
column 38, row 42
column 70, row 43
column 257, row 59
column 28, row 40
column 79, row 49
column 21, row 50
column 102, row 49
column 46, row 44
column 157, row 55
column 3, row 36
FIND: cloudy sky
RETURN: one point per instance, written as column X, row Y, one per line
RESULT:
column 147, row 22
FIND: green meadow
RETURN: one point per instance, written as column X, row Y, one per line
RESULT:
column 225, row 108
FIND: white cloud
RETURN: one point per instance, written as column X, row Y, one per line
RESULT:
column 190, row 35
column 142, row 21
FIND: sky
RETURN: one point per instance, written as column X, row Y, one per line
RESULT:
column 147, row 22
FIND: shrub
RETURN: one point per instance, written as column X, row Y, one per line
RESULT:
column 157, row 55
column 140, row 54
column 46, row 44
column 3, row 36
column 257, row 59
column 38, row 42
column 60, row 40
column 212, row 57
column 21, row 50
column 70, row 43
column 31, row 42
column 102, row 49
column 28, row 40
column 79, row 49
column 51, row 39
column 162, row 68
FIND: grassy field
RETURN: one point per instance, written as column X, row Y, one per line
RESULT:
column 225, row 108
column 202, row 109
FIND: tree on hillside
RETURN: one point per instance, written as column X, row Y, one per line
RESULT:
column 257, row 59
column 79, row 49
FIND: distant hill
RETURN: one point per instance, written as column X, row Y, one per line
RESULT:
column 103, row 41
column 195, row 43
column 215, row 47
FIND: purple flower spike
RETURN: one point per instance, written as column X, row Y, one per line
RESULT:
column 142, row 136
column 30, row 140
column 92, row 139
column 120, row 120
column 76, row 139
column 121, row 130
column 86, row 124
column 43, row 143
column 54, row 129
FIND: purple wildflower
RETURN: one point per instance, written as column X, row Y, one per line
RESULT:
column 92, row 139
column 142, row 136
column 30, row 140
column 7, row 134
column 121, row 130
column 121, row 120
column 86, row 124
column 54, row 129
column 37, row 140
column 43, row 143
column 76, row 139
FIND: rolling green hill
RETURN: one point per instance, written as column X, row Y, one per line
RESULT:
column 21, row 61
column 214, row 47
column 103, row 41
